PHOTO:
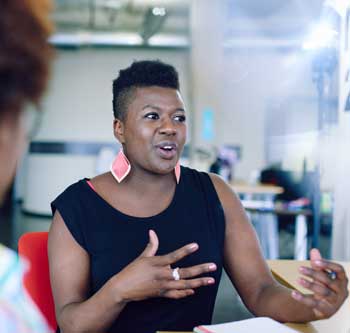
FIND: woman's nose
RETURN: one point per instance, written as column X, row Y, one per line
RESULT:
column 168, row 127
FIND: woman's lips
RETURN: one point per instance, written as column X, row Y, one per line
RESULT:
column 167, row 154
column 167, row 149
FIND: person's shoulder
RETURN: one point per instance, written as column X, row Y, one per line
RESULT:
column 103, row 183
column 76, row 185
column 98, row 180
column 186, row 170
column 217, row 180
column 70, row 196
column 101, row 179
column 72, row 190
column 224, row 190
column 218, row 183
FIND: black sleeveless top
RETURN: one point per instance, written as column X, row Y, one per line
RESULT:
column 113, row 239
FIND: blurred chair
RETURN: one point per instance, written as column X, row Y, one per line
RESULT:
column 33, row 247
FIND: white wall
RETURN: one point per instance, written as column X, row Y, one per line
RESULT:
column 78, row 105
column 269, row 95
column 245, row 81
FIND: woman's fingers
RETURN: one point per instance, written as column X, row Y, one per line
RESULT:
column 176, row 255
column 331, row 267
column 319, row 289
column 190, row 272
column 166, row 282
column 186, row 273
column 177, row 294
column 183, row 288
column 152, row 246
column 189, row 284
column 321, row 307
column 322, row 277
column 328, row 282
column 315, row 254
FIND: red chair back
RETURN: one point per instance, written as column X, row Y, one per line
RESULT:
column 33, row 246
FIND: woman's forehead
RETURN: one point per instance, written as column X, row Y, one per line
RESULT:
column 158, row 94
column 156, row 97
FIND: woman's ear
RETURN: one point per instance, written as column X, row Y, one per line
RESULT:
column 118, row 127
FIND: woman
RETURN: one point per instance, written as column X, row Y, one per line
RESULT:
column 141, row 248
column 24, row 67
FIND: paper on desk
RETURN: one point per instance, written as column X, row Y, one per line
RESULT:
column 254, row 325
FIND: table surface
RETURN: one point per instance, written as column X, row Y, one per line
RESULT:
column 287, row 273
column 257, row 189
column 279, row 211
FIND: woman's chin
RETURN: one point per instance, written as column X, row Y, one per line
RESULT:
column 165, row 169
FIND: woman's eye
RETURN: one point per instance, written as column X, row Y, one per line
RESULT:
column 180, row 118
column 152, row 116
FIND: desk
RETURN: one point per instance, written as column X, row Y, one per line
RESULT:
column 300, row 236
column 258, row 201
column 259, row 189
column 286, row 272
column 265, row 223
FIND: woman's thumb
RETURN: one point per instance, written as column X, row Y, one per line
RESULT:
column 152, row 246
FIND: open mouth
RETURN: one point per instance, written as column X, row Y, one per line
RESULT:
column 167, row 150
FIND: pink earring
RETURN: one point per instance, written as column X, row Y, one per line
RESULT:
column 177, row 172
column 120, row 167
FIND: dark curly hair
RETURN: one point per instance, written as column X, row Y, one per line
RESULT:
column 140, row 74
column 24, row 53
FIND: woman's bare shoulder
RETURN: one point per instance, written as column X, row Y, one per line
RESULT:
column 102, row 180
column 224, row 190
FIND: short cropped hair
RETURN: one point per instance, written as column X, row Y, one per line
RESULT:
column 141, row 74
column 24, row 53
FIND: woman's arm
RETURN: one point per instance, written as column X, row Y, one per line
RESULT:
column 147, row 276
column 250, row 274
column 70, row 278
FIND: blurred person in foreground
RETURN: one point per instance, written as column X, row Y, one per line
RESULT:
column 24, row 69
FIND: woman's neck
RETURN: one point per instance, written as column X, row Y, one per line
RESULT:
column 149, row 183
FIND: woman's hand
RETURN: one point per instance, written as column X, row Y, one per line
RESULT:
column 327, row 281
column 152, row 276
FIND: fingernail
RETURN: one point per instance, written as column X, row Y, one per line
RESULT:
column 194, row 246
column 301, row 281
column 212, row 267
column 210, row 281
column 296, row 295
column 303, row 269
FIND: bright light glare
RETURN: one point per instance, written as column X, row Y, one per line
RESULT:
column 338, row 5
column 158, row 11
column 323, row 36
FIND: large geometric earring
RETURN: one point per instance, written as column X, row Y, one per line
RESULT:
column 120, row 167
column 177, row 172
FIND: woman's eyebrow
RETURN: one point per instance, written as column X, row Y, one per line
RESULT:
column 150, row 106
column 181, row 109
column 157, row 108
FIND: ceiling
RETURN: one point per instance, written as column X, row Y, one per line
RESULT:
column 273, row 18
column 138, row 20
column 134, row 22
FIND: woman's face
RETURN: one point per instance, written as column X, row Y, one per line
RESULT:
column 154, row 131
